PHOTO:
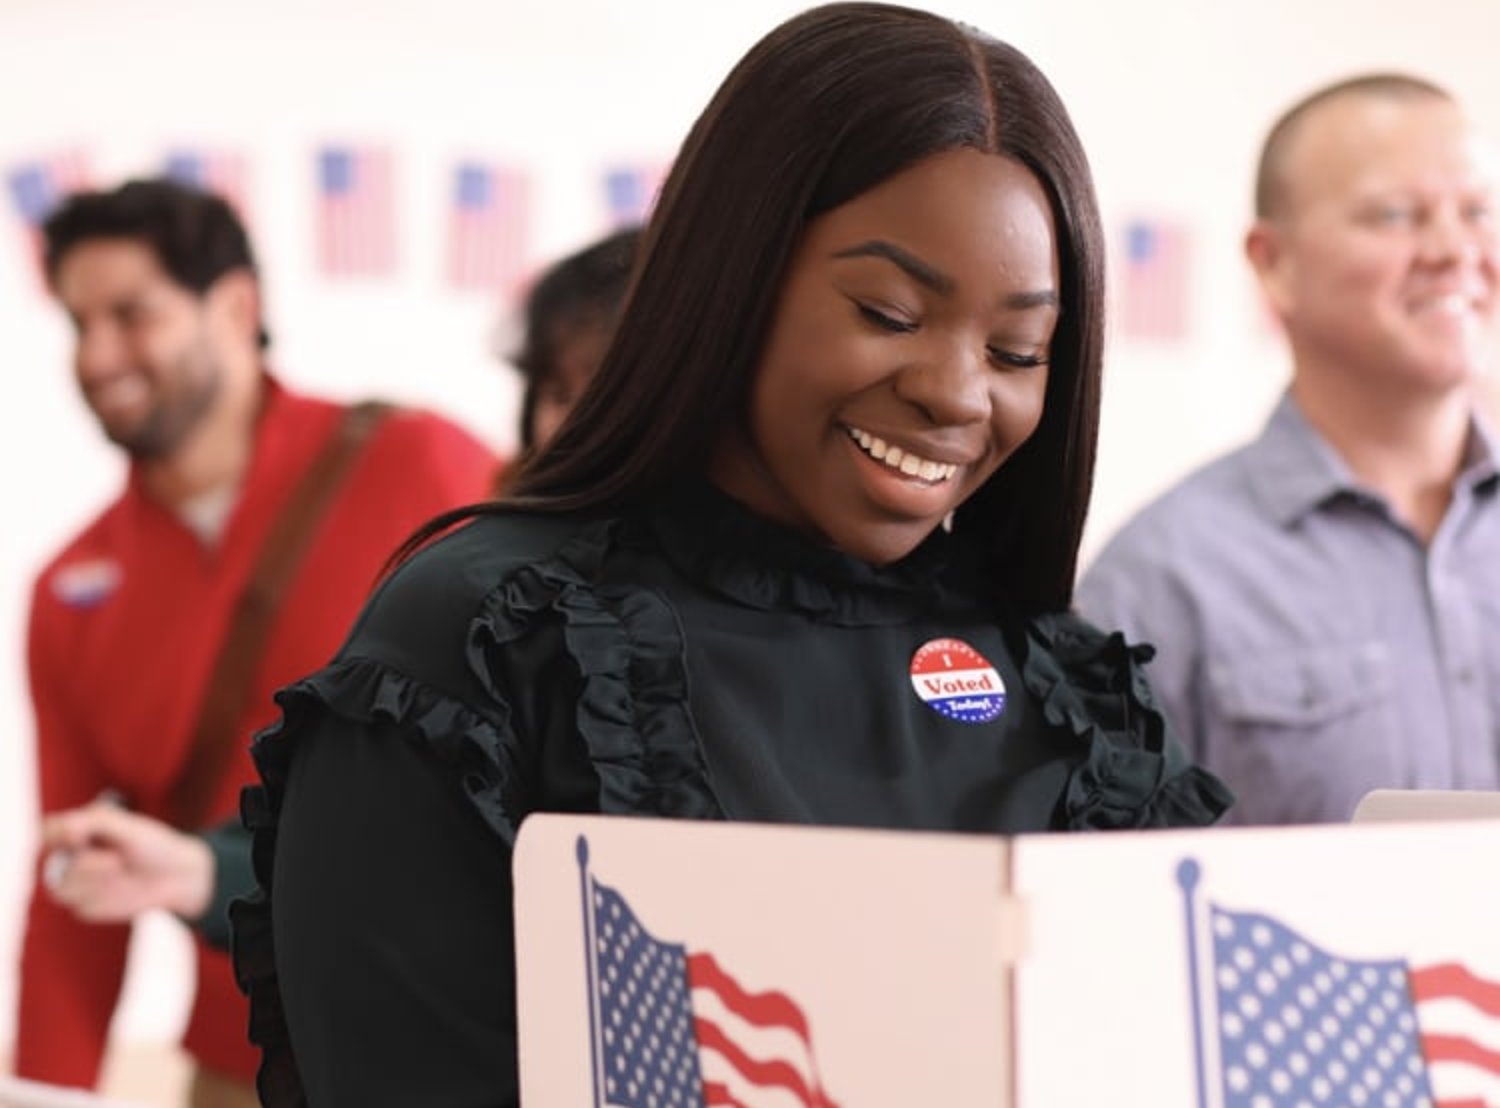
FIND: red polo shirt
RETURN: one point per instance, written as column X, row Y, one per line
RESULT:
column 125, row 625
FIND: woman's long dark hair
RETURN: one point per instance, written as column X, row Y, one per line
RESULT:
column 825, row 107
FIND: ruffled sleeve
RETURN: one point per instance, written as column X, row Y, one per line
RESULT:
column 1133, row 772
column 631, row 710
column 535, row 684
column 368, row 692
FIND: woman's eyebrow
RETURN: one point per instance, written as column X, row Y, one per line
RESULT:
column 919, row 271
column 935, row 279
column 1041, row 298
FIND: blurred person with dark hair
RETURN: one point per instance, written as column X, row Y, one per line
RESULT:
column 569, row 316
column 252, row 523
column 845, row 426
column 1326, row 599
column 125, row 863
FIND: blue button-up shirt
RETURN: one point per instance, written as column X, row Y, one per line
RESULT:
column 1310, row 646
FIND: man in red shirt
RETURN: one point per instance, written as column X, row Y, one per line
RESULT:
column 127, row 620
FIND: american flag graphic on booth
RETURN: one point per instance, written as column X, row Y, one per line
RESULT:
column 488, row 215
column 674, row 1029
column 1298, row 1025
column 630, row 192
column 224, row 172
column 1154, row 281
column 356, row 215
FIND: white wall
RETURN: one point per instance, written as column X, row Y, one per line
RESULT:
column 1171, row 96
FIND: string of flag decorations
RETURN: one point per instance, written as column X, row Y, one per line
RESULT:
column 481, row 238
column 483, row 229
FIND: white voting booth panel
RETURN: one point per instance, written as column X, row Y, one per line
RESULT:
column 1334, row 966
column 1329, row 967
column 830, row 967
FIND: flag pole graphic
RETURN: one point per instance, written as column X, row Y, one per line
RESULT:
column 1188, row 873
column 591, row 963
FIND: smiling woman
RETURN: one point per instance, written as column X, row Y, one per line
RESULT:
column 903, row 365
column 802, row 552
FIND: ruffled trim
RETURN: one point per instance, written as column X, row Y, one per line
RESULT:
column 1134, row 774
column 632, row 711
column 369, row 692
column 716, row 541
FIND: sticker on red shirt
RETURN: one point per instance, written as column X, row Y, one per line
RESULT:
column 953, row 678
column 87, row 583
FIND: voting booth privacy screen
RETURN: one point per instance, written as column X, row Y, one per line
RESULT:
column 675, row 963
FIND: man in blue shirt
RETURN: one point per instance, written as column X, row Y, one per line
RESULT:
column 1326, row 600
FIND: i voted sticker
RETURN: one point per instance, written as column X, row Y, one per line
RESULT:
column 953, row 678
column 86, row 584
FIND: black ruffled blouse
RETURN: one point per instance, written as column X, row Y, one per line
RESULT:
column 690, row 661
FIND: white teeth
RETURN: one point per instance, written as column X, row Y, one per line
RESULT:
column 1454, row 303
column 907, row 463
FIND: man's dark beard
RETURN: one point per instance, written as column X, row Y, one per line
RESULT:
column 169, row 423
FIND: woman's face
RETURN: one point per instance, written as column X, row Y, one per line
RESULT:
column 907, row 357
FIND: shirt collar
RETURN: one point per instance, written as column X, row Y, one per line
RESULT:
column 1295, row 471
column 1291, row 468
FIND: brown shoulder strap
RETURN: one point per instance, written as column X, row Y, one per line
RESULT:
column 215, row 739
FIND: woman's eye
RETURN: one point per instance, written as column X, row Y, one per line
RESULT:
column 884, row 321
column 1009, row 359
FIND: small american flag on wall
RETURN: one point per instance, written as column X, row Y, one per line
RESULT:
column 356, row 217
column 36, row 187
column 488, row 214
column 1154, row 280
column 630, row 191
column 225, row 172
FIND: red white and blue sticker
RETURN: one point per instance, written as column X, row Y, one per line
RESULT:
column 85, row 584
column 953, row 678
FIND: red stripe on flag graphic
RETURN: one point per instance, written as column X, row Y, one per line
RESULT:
column 1453, row 980
column 773, row 1011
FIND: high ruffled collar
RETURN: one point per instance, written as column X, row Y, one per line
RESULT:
column 724, row 546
